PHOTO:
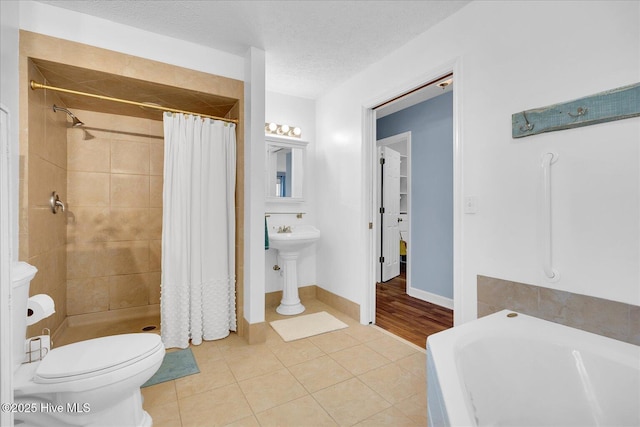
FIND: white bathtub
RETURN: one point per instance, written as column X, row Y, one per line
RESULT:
column 523, row 371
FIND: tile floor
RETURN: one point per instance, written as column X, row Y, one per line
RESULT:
column 358, row 376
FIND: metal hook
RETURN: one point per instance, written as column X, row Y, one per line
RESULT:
column 528, row 127
column 579, row 112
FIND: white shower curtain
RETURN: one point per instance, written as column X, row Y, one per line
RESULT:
column 198, row 230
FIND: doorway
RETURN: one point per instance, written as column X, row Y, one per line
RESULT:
column 390, row 176
column 420, row 296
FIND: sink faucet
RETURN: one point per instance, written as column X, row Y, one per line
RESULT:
column 284, row 229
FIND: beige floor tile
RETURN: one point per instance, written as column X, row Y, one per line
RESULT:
column 272, row 337
column 266, row 391
column 216, row 407
column 232, row 341
column 350, row 402
column 277, row 378
column 320, row 373
column 252, row 361
column 304, row 411
column 165, row 414
column 232, row 349
column 159, row 394
column 415, row 407
column 389, row 417
column 208, row 361
column 393, row 383
column 206, row 352
column 416, row 364
column 391, row 348
column 295, row 352
column 359, row 359
column 334, row 341
column 245, row 422
column 364, row 333
column 212, row 375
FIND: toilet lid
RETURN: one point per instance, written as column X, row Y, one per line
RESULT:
column 97, row 355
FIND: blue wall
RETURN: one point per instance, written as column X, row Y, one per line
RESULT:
column 431, row 216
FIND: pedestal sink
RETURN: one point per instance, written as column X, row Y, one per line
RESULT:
column 289, row 241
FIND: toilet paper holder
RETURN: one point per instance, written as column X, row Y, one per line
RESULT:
column 39, row 307
column 42, row 345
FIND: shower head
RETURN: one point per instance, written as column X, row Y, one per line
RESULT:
column 76, row 121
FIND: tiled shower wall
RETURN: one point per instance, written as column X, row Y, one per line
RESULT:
column 129, row 262
column 604, row 317
column 43, row 169
column 114, row 202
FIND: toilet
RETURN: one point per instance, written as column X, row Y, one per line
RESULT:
column 89, row 383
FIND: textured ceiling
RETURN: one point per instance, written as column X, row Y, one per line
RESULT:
column 310, row 46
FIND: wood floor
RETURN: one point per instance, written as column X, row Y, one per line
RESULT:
column 407, row 317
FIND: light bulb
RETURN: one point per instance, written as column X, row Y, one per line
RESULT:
column 297, row 131
column 272, row 127
column 284, row 128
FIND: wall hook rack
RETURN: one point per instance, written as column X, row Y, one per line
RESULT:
column 615, row 104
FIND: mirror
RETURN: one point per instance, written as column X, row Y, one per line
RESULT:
column 285, row 160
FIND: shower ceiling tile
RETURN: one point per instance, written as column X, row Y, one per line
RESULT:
column 115, row 86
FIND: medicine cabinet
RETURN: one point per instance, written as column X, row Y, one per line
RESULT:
column 285, row 168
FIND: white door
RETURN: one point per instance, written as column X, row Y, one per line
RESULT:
column 390, row 213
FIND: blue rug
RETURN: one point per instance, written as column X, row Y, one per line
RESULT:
column 176, row 364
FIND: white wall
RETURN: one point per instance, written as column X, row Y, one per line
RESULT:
column 513, row 56
column 69, row 25
column 9, row 38
column 9, row 98
column 294, row 111
column 254, row 159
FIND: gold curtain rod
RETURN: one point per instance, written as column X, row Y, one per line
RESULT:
column 35, row 85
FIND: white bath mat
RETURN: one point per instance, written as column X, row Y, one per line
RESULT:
column 307, row 326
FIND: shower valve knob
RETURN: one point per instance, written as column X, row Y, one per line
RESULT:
column 55, row 203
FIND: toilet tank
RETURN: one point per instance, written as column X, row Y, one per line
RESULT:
column 21, row 275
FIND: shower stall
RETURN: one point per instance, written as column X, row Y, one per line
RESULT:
column 99, row 259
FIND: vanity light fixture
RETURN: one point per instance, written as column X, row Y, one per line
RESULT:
column 284, row 130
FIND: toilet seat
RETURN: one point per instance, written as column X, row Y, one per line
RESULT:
column 94, row 357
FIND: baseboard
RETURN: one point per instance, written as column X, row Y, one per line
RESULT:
column 254, row 333
column 350, row 308
column 113, row 315
column 272, row 299
column 429, row 297
column 341, row 304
